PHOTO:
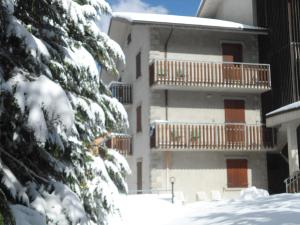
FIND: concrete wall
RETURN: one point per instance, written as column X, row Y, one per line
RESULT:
column 202, row 107
column 241, row 11
column 141, row 96
column 205, row 172
column 200, row 45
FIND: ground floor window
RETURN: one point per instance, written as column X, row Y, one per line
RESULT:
column 237, row 173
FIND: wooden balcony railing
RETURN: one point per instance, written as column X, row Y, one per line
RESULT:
column 176, row 136
column 122, row 143
column 122, row 91
column 210, row 74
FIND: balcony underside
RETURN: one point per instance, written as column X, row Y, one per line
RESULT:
column 212, row 88
column 216, row 149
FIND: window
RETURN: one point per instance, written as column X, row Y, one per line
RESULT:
column 232, row 52
column 237, row 173
column 128, row 39
column 138, row 65
column 139, row 119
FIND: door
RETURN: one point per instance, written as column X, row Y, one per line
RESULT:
column 232, row 53
column 237, row 173
column 139, row 173
column 234, row 122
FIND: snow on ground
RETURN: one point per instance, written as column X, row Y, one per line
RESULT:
column 281, row 209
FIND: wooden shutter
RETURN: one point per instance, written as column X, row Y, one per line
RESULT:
column 139, row 173
column 234, row 111
column 237, row 173
column 139, row 119
column 138, row 65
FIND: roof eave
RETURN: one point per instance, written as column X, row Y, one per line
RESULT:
column 200, row 7
column 259, row 31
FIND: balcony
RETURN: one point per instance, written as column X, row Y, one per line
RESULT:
column 122, row 143
column 217, row 76
column 122, row 92
column 167, row 136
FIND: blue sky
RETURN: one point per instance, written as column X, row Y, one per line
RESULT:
column 177, row 7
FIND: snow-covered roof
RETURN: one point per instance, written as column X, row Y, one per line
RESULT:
column 284, row 109
column 184, row 22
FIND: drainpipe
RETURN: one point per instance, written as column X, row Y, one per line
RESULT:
column 167, row 154
column 166, row 58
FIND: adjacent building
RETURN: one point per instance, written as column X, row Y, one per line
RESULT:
column 192, row 87
column 281, row 49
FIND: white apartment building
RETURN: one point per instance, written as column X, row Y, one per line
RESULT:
column 192, row 88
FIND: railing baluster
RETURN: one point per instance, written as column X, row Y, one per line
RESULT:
column 190, row 73
column 209, row 136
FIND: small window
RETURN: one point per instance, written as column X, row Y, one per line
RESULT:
column 138, row 65
column 237, row 173
column 139, row 119
column 128, row 39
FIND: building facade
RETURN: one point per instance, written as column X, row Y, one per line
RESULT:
column 192, row 88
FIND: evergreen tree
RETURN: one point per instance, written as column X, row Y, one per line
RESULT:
column 52, row 107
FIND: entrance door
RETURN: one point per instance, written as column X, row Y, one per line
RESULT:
column 232, row 53
column 234, row 122
column 139, row 169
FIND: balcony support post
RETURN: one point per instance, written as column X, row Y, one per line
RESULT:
column 292, row 148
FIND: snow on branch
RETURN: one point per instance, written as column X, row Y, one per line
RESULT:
column 17, row 191
column 33, row 45
column 26, row 216
column 46, row 101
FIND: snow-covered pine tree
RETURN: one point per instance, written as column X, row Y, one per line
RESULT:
column 52, row 107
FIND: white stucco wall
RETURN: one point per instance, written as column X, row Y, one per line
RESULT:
column 141, row 96
column 197, row 45
column 205, row 172
column 202, row 107
column 241, row 11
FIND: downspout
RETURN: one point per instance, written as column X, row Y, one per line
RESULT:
column 166, row 58
column 167, row 154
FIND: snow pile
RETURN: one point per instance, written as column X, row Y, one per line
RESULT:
column 281, row 209
column 144, row 209
column 253, row 193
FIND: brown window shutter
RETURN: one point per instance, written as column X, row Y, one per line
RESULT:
column 237, row 175
column 138, row 65
column 139, row 119
column 243, row 176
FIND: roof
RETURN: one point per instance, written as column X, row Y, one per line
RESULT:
column 200, row 7
column 285, row 109
column 208, row 8
column 185, row 22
